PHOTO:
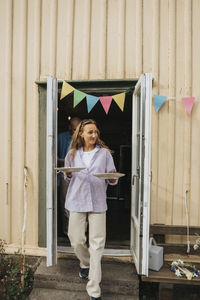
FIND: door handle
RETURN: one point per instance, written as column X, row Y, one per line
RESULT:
column 135, row 176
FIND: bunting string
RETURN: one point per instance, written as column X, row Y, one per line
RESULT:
column 119, row 99
column 91, row 100
column 159, row 100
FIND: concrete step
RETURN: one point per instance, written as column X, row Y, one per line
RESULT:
column 119, row 278
column 52, row 294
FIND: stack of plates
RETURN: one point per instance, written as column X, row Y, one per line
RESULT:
column 99, row 175
column 69, row 170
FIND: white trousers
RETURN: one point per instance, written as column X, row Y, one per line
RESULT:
column 89, row 258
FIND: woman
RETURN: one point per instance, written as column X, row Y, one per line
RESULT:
column 86, row 200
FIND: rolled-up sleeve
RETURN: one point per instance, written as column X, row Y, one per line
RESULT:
column 110, row 166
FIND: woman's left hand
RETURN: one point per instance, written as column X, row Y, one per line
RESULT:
column 112, row 180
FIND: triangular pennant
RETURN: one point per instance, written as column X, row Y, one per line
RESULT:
column 78, row 97
column 158, row 101
column 66, row 89
column 188, row 102
column 120, row 99
column 106, row 102
column 91, row 101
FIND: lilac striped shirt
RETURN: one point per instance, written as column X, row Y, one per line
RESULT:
column 87, row 193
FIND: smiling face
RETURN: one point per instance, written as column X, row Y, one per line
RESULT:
column 89, row 135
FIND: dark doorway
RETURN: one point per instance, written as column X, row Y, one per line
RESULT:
column 116, row 132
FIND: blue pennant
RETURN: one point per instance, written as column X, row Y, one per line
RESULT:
column 91, row 101
column 158, row 101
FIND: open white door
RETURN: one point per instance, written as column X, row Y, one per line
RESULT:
column 51, row 177
column 141, row 172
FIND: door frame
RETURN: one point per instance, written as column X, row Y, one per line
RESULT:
column 85, row 85
column 120, row 85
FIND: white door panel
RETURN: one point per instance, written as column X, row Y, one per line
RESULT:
column 141, row 163
column 51, row 177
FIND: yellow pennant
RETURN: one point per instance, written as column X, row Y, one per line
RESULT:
column 66, row 89
column 120, row 99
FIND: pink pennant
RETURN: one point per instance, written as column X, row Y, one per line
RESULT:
column 106, row 102
column 188, row 103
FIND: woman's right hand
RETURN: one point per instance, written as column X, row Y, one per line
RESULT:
column 69, row 175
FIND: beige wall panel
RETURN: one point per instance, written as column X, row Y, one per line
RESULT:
column 81, row 44
column 187, row 92
column 195, row 132
column 116, row 39
column 98, row 40
column 195, row 47
column 155, row 124
column 170, row 152
column 139, row 38
column 171, row 107
column 31, row 159
column 163, row 114
column 162, row 164
column 164, row 46
column 48, row 38
column 5, row 116
column 147, row 35
column 18, row 116
column 194, row 207
column 64, row 39
column 178, row 205
column 130, row 39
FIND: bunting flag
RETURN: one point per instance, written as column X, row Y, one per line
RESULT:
column 158, row 101
column 78, row 97
column 188, row 102
column 106, row 102
column 66, row 89
column 91, row 102
column 120, row 99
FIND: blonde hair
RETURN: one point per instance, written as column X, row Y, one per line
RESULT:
column 78, row 141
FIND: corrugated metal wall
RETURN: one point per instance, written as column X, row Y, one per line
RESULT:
column 100, row 39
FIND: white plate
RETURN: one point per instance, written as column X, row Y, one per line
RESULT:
column 69, row 170
column 109, row 175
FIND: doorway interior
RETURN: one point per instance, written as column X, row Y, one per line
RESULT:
column 116, row 132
